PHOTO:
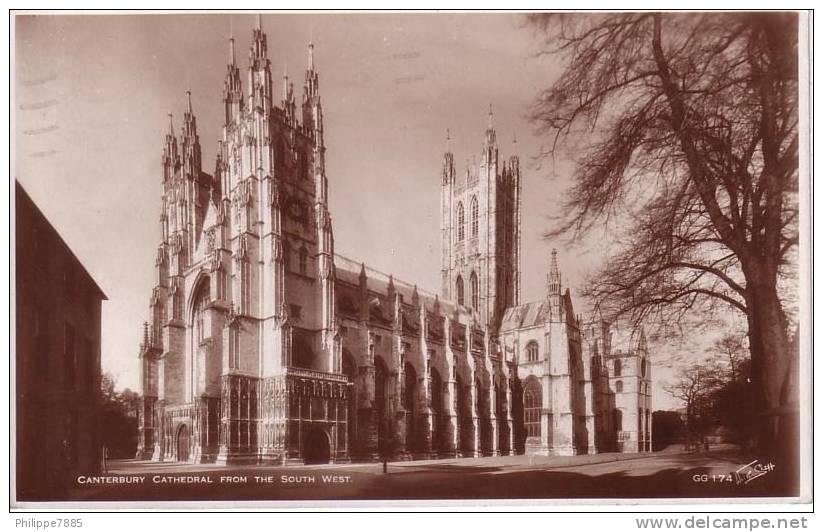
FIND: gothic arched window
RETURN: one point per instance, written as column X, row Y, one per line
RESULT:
column 532, row 404
column 304, row 257
column 461, row 222
column 618, row 387
column 475, row 288
column 245, row 286
column 286, row 255
column 234, row 353
column 475, row 214
column 459, row 286
column 532, row 351
column 222, row 285
column 304, row 166
column 618, row 368
column 201, row 300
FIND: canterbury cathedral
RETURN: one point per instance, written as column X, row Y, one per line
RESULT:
column 263, row 345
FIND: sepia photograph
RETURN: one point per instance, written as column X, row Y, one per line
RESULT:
column 351, row 259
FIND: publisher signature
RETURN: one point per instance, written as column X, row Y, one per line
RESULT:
column 751, row 471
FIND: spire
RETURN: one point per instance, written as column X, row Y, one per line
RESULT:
column 312, row 111
column 189, row 121
column 491, row 136
column 171, row 159
column 311, row 86
column 232, row 87
column 260, row 79
column 258, row 50
column 554, row 275
column 285, row 82
column 190, row 143
column 490, row 145
column 448, row 161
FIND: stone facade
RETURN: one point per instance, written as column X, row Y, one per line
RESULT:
column 264, row 345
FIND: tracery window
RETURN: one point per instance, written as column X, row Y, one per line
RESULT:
column 475, row 288
column 475, row 214
column 200, row 303
column 245, row 286
column 222, row 285
column 461, row 222
column 234, row 353
column 532, row 351
column 286, row 255
column 459, row 286
column 532, row 400
column 304, row 166
column 304, row 257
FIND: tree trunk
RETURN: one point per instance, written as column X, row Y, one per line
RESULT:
column 771, row 363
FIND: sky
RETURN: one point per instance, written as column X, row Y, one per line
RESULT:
column 92, row 94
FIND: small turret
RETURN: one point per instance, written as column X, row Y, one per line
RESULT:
column 448, row 173
column 171, row 157
column 554, row 276
column 288, row 98
column 260, row 82
column 553, row 288
column 232, row 88
column 490, row 143
column 312, row 110
column 190, row 142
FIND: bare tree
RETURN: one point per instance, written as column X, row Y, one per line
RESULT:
column 695, row 386
column 732, row 348
column 688, row 125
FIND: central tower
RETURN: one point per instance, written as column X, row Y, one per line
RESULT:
column 480, row 232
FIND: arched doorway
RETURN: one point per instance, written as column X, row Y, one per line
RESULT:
column 316, row 448
column 183, row 442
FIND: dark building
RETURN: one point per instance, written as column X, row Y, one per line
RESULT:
column 57, row 360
